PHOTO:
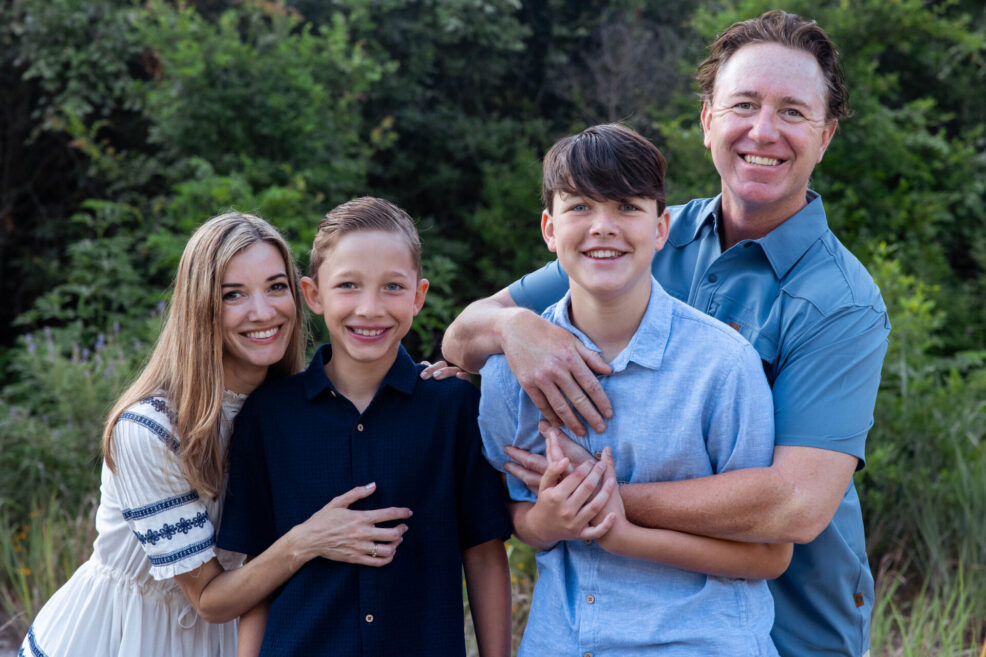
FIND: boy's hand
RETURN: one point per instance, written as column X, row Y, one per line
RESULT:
column 568, row 503
column 613, row 513
column 339, row 533
column 442, row 370
column 529, row 466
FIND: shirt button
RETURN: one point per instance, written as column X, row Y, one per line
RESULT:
column 333, row 392
column 590, row 598
column 359, row 427
column 598, row 455
column 588, row 541
column 713, row 278
column 588, row 654
column 369, row 618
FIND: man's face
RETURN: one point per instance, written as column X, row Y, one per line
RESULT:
column 766, row 129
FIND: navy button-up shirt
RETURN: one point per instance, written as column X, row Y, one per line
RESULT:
column 298, row 444
column 816, row 318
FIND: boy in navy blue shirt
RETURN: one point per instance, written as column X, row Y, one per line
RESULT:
column 361, row 423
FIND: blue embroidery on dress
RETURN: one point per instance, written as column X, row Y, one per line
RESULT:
column 169, row 531
column 160, row 405
column 38, row 652
column 178, row 555
column 155, row 428
column 159, row 506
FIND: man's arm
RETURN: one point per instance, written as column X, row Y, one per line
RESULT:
column 555, row 369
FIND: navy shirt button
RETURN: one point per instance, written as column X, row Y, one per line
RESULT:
column 359, row 427
column 713, row 278
column 369, row 618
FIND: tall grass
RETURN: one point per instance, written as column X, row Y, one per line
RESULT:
column 38, row 556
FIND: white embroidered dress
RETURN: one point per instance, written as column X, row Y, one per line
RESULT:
column 151, row 526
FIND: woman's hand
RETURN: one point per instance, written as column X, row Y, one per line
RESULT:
column 339, row 533
column 442, row 370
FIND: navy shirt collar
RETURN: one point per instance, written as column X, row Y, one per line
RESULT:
column 783, row 246
column 402, row 376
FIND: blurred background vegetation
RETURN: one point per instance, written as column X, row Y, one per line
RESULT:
column 126, row 124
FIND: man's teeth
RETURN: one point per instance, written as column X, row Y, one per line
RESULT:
column 370, row 333
column 766, row 161
column 603, row 253
column 260, row 335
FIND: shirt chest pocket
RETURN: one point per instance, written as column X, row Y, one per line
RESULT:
column 751, row 320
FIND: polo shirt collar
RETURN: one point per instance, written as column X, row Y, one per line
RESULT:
column 646, row 347
column 782, row 246
column 688, row 226
column 785, row 245
column 402, row 376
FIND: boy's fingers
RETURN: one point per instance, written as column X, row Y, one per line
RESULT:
column 553, row 474
column 595, row 532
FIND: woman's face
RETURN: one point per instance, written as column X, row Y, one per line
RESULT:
column 258, row 315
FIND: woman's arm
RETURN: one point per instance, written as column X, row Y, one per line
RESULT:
column 334, row 532
column 251, row 631
column 488, row 588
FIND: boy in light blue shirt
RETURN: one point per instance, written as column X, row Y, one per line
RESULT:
column 696, row 403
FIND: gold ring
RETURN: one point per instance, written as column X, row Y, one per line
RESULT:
column 373, row 552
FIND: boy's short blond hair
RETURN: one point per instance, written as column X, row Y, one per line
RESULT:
column 366, row 213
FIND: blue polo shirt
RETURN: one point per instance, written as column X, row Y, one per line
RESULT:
column 298, row 444
column 701, row 405
column 817, row 319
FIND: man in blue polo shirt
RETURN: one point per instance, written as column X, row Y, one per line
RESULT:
column 759, row 257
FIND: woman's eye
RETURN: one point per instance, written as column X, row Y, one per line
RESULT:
column 232, row 295
column 279, row 287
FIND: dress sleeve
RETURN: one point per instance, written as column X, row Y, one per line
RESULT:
column 740, row 430
column 826, row 384
column 539, row 289
column 158, row 503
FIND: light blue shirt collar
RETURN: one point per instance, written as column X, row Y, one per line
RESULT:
column 649, row 341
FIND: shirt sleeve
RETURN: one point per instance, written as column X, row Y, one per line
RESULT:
column 539, row 289
column 158, row 503
column 826, row 385
column 740, row 430
column 499, row 420
column 482, row 506
column 248, row 518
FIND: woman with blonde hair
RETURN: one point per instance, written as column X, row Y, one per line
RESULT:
column 156, row 584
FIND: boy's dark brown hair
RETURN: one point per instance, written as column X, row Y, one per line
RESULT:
column 785, row 29
column 363, row 214
column 609, row 161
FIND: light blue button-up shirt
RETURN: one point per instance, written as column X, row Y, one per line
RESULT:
column 820, row 326
column 691, row 401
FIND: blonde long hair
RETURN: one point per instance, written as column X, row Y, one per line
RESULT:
column 186, row 366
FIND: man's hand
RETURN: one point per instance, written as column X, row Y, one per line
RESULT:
column 557, row 371
column 529, row 467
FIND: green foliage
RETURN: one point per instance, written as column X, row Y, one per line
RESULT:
column 52, row 415
column 39, row 554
